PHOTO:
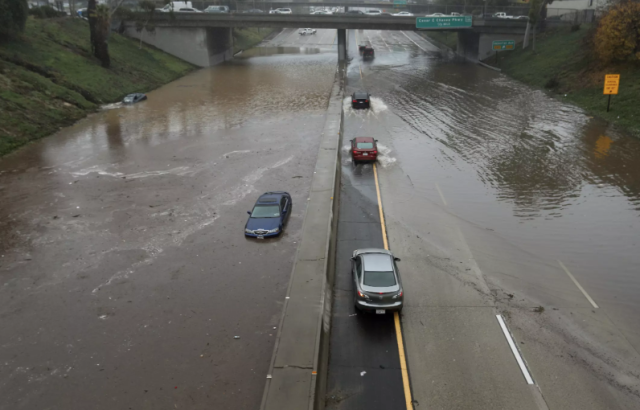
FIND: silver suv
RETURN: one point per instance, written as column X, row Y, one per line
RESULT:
column 377, row 285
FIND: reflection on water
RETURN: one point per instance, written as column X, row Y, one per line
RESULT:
column 536, row 151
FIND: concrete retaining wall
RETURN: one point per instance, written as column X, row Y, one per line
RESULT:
column 203, row 47
column 298, row 370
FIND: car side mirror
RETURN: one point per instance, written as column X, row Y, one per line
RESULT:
column 396, row 259
column 353, row 258
column 249, row 212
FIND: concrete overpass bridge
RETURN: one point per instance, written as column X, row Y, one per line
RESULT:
column 205, row 39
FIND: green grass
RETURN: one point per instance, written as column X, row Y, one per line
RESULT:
column 563, row 64
column 448, row 38
column 48, row 78
column 245, row 38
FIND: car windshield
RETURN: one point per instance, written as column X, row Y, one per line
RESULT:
column 379, row 279
column 266, row 211
column 365, row 145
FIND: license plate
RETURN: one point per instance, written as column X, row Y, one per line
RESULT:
column 365, row 154
column 260, row 237
column 379, row 311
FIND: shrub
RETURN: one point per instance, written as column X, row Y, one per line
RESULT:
column 575, row 27
column 13, row 17
column 618, row 34
column 552, row 83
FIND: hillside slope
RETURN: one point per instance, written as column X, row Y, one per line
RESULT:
column 48, row 78
column 562, row 64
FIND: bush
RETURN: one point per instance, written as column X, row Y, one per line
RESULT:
column 45, row 12
column 575, row 27
column 13, row 17
column 552, row 83
column 618, row 34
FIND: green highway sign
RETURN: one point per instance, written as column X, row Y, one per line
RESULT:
column 400, row 2
column 499, row 45
column 444, row 22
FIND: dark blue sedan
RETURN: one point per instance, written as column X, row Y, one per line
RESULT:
column 269, row 215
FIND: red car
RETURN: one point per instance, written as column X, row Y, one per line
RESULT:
column 364, row 149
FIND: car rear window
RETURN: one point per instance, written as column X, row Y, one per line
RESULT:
column 365, row 145
column 266, row 211
column 379, row 279
column 362, row 95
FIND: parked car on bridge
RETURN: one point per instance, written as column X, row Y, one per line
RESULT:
column 322, row 12
column 189, row 10
column 134, row 98
column 305, row 31
column 359, row 12
column 282, row 11
column 373, row 12
column 502, row 15
column 454, row 14
column 175, row 6
column 217, row 9
column 377, row 285
column 360, row 99
column 368, row 53
column 435, row 15
column 253, row 11
column 364, row 149
column 403, row 14
column 269, row 215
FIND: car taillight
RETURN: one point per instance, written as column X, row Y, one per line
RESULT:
column 400, row 293
column 355, row 152
column 366, row 100
column 375, row 152
column 355, row 100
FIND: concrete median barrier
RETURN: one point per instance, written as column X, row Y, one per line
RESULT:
column 297, row 373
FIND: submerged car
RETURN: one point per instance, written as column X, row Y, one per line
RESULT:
column 360, row 99
column 269, row 215
column 364, row 149
column 134, row 98
column 368, row 53
column 377, row 286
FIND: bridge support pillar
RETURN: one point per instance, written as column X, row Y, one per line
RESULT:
column 342, row 44
column 203, row 47
column 468, row 44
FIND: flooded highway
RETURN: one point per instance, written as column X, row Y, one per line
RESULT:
column 125, row 274
column 499, row 200
column 126, row 278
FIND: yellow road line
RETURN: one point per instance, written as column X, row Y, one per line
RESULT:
column 396, row 316
column 382, row 224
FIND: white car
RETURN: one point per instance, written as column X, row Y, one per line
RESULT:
column 435, row 15
column 454, row 14
column 322, row 12
column 282, row 11
column 373, row 12
column 189, row 10
column 403, row 14
column 305, row 31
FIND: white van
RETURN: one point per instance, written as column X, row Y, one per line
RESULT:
column 177, row 5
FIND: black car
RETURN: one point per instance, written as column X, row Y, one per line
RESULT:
column 269, row 215
column 134, row 98
column 360, row 99
column 354, row 12
column 362, row 46
column 368, row 53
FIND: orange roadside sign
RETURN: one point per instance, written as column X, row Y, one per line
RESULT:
column 611, row 84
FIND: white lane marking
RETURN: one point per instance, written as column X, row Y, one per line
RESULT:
column 584, row 292
column 514, row 350
column 444, row 201
column 410, row 39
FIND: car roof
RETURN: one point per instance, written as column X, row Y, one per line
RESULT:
column 377, row 262
column 361, row 93
column 364, row 139
column 271, row 197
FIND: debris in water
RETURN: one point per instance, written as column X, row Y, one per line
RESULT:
column 362, row 373
column 236, row 337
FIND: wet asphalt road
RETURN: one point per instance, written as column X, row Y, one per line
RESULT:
column 489, row 188
column 125, row 273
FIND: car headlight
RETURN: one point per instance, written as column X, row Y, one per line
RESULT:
column 274, row 230
column 248, row 231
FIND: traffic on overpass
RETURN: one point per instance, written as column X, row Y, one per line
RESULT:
column 348, row 215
